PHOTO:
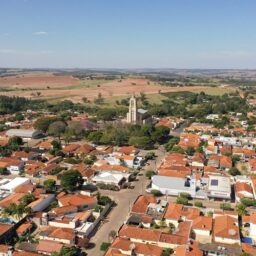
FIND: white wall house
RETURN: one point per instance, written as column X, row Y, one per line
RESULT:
column 15, row 168
column 42, row 203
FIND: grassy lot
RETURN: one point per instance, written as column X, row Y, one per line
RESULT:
column 157, row 98
column 152, row 98
column 216, row 90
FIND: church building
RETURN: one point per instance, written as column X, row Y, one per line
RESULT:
column 137, row 116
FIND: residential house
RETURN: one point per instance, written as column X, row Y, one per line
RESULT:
column 176, row 213
column 226, row 230
column 78, row 200
column 202, row 229
column 61, row 235
column 122, row 246
column 243, row 190
column 13, row 165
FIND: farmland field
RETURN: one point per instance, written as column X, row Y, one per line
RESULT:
column 58, row 87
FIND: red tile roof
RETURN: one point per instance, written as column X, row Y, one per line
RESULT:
column 142, row 202
column 176, row 211
column 226, row 227
column 77, row 200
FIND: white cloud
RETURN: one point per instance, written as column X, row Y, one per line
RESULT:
column 41, row 33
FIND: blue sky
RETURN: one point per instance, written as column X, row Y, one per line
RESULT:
column 128, row 33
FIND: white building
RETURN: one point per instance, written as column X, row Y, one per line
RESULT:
column 127, row 160
column 219, row 187
column 41, row 203
column 25, row 134
column 13, row 184
column 111, row 178
column 174, row 186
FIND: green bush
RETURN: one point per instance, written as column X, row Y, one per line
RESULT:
column 248, row 202
column 150, row 173
column 156, row 192
column 185, row 195
column 182, row 200
column 167, row 252
column 198, row 204
column 225, row 206
column 150, row 156
column 104, row 200
column 104, row 246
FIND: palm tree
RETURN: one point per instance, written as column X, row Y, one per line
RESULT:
column 241, row 209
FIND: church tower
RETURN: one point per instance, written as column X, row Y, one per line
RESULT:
column 133, row 111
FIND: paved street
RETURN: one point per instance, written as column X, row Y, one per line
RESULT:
column 176, row 132
column 124, row 200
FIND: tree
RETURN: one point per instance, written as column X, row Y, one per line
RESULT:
column 225, row 206
column 43, row 123
column 248, row 202
column 27, row 199
column 85, row 100
column 235, row 159
column 167, row 252
column 150, row 156
column 160, row 133
column 95, row 137
column 178, row 149
column 150, row 173
column 3, row 171
column 104, row 200
column 234, row 171
column 18, row 117
column 49, row 185
column 190, row 151
column 90, row 160
column 104, row 246
column 156, row 192
column 56, row 144
column 106, row 114
column 185, row 195
column 241, row 209
column 182, row 200
column 173, row 141
column 245, row 254
column 198, row 204
column 76, row 129
column 71, row 180
column 56, row 128
column 67, row 251
column 99, row 99
column 68, row 135
column 140, row 142
column 15, row 141
column 97, row 208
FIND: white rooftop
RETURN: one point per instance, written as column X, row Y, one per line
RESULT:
column 109, row 177
column 10, row 186
column 219, row 183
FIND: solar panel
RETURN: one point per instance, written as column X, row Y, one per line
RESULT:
column 214, row 182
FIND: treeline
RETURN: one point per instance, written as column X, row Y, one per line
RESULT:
column 144, row 136
column 9, row 105
column 188, row 105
